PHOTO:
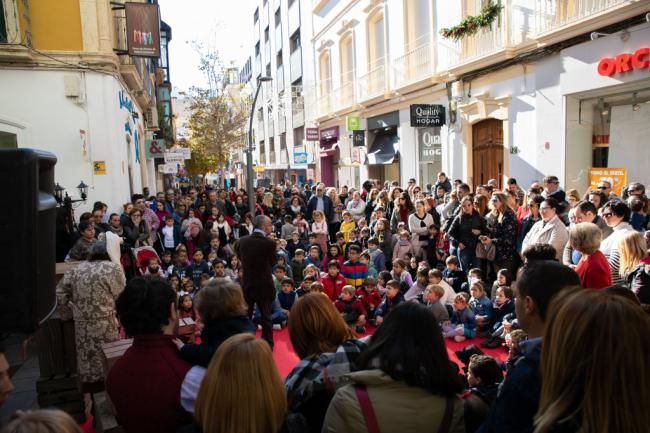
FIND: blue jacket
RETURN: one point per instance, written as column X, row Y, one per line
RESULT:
column 387, row 305
column 328, row 207
column 518, row 398
column 481, row 306
column 464, row 317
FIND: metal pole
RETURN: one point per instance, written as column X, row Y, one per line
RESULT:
column 249, row 165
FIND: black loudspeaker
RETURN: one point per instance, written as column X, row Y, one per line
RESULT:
column 27, row 239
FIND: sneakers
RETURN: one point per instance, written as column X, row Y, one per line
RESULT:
column 360, row 330
column 277, row 327
column 459, row 338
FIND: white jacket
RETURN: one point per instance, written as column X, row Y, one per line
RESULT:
column 554, row 233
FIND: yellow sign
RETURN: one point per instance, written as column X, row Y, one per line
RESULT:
column 617, row 177
column 258, row 169
column 99, row 167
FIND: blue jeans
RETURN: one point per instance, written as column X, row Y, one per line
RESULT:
column 466, row 257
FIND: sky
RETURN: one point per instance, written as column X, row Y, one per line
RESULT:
column 225, row 24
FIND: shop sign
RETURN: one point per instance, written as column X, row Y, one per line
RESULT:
column 329, row 133
column 169, row 168
column 617, row 177
column 154, row 148
column 300, row 158
column 310, row 173
column 312, row 134
column 258, row 169
column 353, row 123
column 625, row 62
column 142, row 29
column 173, row 156
column 430, row 144
column 99, row 167
column 427, row 115
column 358, row 138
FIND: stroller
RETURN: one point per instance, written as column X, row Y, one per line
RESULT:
column 141, row 256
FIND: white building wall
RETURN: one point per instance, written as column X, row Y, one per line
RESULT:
column 36, row 99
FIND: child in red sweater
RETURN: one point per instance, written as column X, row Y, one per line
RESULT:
column 369, row 296
column 333, row 283
column 351, row 309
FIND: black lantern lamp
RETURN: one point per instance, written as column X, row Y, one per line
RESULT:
column 83, row 190
column 58, row 193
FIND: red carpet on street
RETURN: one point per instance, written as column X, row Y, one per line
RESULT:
column 286, row 359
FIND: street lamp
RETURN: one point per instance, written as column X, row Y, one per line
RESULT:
column 249, row 165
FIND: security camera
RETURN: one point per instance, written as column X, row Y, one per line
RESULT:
column 595, row 35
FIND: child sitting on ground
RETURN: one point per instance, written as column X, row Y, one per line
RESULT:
column 370, row 297
column 513, row 340
column 400, row 274
column 463, row 324
column 287, row 295
column 333, row 282
column 317, row 287
column 351, row 309
column 481, row 305
column 295, row 244
column 383, row 278
column 186, row 307
column 287, row 228
column 305, row 287
column 435, row 278
column 283, row 262
column 483, row 376
column 314, row 256
column 279, row 316
column 453, row 275
column 365, row 259
column 376, row 255
column 503, row 306
column 392, row 299
column 279, row 274
column 431, row 298
column 334, row 252
column 417, row 290
column 347, row 225
column 474, row 275
column 504, row 279
column 298, row 265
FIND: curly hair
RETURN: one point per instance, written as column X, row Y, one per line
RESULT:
column 143, row 306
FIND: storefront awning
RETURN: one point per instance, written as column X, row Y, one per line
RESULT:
column 382, row 150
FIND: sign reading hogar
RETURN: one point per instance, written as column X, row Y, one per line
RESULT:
column 427, row 115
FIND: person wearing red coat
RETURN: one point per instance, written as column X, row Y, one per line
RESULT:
column 370, row 298
column 593, row 267
column 145, row 383
column 333, row 283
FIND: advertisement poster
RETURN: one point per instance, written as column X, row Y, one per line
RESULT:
column 143, row 29
column 616, row 176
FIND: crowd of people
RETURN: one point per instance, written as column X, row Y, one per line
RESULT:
column 546, row 274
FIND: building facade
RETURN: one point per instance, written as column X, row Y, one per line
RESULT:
column 69, row 88
column 281, row 44
column 521, row 98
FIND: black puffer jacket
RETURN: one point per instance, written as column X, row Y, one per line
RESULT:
column 461, row 228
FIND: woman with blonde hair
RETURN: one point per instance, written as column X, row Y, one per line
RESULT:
column 594, row 370
column 242, row 390
column 327, row 347
column 573, row 197
column 42, row 421
column 634, row 265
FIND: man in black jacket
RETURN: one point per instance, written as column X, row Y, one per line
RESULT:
column 518, row 398
column 320, row 201
column 257, row 255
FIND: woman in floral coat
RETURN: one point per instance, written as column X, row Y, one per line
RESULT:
column 87, row 294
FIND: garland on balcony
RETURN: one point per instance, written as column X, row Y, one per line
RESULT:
column 472, row 24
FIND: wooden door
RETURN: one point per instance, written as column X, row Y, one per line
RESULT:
column 487, row 151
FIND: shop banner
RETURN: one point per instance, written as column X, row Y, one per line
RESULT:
column 429, row 144
column 353, row 123
column 312, row 134
column 170, row 168
column 300, row 158
column 427, row 115
column 358, row 138
column 616, row 176
column 99, row 167
column 154, row 148
column 173, row 157
column 142, row 29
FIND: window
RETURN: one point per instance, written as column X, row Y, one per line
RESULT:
column 298, row 136
column 283, row 142
column 376, row 46
column 277, row 17
column 324, row 71
column 417, row 22
column 266, row 34
column 8, row 140
column 3, row 24
column 295, row 41
column 290, row 2
column 268, row 69
column 256, row 16
column 278, row 59
column 257, row 49
column 347, row 55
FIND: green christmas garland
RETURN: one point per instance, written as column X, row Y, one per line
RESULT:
column 472, row 24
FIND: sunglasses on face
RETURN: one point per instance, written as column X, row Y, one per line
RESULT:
column 603, row 187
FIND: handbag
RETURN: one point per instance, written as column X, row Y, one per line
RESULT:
column 371, row 420
column 486, row 252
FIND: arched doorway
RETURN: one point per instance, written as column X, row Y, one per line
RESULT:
column 487, row 151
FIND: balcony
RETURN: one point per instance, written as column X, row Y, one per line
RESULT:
column 294, row 17
column 414, row 65
column 297, row 118
column 344, row 97
column 373, row 83
column 551, row 15
column 258, row 64
column 295, row 62
column 279, row 78
column 324, row 104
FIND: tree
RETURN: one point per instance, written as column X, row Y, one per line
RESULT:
column 217, row 120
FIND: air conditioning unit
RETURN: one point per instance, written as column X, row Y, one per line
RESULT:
column 151, row 119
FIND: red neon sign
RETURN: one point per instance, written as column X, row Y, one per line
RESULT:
column 625, row 62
